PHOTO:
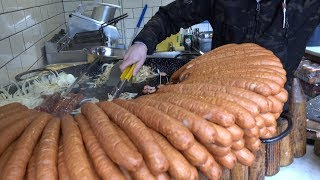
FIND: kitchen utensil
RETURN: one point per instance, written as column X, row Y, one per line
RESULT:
column 115, row 74
column 114, row 20
column 104, row 12
column 125, row 78
column 127, row 73
column 80, row 76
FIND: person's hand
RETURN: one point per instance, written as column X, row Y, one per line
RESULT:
column 136, row 54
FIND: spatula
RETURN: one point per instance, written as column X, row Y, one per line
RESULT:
column 125, row 77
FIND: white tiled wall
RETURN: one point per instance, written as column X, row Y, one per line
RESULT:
column 25, row 26
column 134, row 9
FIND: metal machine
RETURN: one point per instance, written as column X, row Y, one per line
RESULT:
column 82, row 33
column 202, row 40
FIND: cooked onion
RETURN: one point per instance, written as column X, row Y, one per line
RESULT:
column 144, row 73
column 104, row 77
column 125, row 96
column 29, row 91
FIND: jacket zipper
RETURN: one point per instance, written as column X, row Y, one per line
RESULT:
column 286, row 41
column 256, row 20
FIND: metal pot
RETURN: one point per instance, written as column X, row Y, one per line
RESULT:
column 104, row 12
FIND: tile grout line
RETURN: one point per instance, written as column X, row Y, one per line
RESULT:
column 1, row 6
column 28, row 8
column 30, row 46
column 30, row 26
column 33, row 63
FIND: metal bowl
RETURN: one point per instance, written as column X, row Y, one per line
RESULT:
column 104, row 12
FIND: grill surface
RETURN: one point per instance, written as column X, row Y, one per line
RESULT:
column 167, row 65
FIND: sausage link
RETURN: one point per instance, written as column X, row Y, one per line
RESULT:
column 237, row 145
column 263, row 132
column 196, row 154
column 110, row 141
column 253, row 132
column 46, row 158
column 244, row 156
column 243, row 118
column 179, row 167
column 276, row 105
column 260, row 100
column 197, row 125
column 211, row 169
column 180, row 137
column 227, row 161
column 10, row 106
column 252, row 143
column 134, row 127
column 74, row 151
column 282, row 96
column 217, row 150
column 208, row 111
column 103, row 165
column 236, row 132
column 260, row 121
column 272, row 129
column 224, row 137
column 245, row 83
column 269, row 119
column 17, row 163
column 143, row 172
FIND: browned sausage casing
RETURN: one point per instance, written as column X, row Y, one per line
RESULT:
column 74, row 151
column 198, row 126
column 178, row 135
column 227, row 161
column 208, row 111
column 109, row 138
column 179, row 167
column 134, row 127
column 244, row 156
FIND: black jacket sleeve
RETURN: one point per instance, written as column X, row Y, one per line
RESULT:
column 169, row 19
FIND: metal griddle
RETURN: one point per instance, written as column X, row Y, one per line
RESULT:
column 167, row 65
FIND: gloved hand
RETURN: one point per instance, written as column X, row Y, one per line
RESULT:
column 136, row 54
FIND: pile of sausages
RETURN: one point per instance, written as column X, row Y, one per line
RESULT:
column 212, row 118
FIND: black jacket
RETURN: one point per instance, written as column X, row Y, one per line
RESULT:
column 238, row 21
